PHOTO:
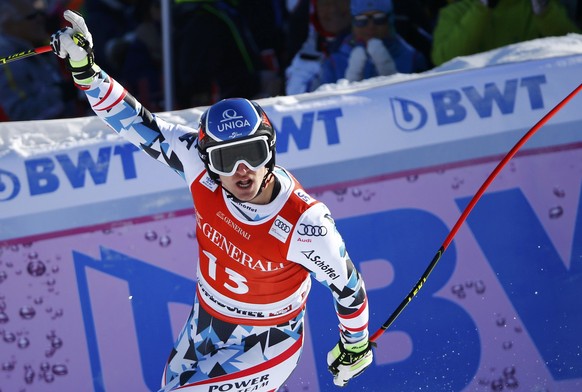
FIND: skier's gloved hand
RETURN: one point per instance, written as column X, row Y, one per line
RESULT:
column 539, row 6
column 75, row 44
column 348, row 360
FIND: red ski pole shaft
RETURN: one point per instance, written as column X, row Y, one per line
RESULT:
column 25, row 54
column 468, row 209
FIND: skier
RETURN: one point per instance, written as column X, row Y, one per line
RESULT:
column 260, row 238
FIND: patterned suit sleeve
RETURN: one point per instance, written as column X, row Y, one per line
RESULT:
column 318, row 246
column 126, row 116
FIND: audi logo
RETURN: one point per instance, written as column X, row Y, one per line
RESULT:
column 312, row 230
column 282, row 225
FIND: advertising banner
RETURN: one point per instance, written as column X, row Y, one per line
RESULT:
column 98, row 254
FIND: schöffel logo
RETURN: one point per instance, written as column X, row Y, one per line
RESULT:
column 455, row 105
column 312, row 230
column 9, row 185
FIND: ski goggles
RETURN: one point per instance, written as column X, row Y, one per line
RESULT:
column 378, row 18
column 224, row 159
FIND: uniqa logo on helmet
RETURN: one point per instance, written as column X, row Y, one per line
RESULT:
column 232, row 119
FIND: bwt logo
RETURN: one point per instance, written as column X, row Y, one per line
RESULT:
column 450, row 107
column 9, row 185
column 42, row 177
column 446, row 106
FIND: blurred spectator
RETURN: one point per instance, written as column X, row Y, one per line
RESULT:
column 215, row 55
column 267, row 21
column 137, row 56
column 114, row 19
column 472, row 26
column 374, row 48
column 330, row 23
column 298, row 12
column 55, row 9
column 33, row 88
column 414, row 20
column 574, row 9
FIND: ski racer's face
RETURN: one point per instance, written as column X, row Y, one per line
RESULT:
column 245, row 184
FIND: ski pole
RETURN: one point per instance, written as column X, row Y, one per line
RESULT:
column 467, row 210
column 27, row 53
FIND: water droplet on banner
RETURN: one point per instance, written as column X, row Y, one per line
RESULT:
column 497, row 385
column 60, row 370
column 459, row 291
column 479, row 287
column 9, row 337
column 165, row 241
column 559, row 192
column 23, row 342
column 36, row 268
column 556, row 212
column 56, row 343
column 48, row 377
column 151, row 235
column 28, row 374
column 4, row 319
column 27, row 312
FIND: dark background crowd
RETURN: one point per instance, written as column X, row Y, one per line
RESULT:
column 255, row 48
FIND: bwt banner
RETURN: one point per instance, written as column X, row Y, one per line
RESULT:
column 98, row 255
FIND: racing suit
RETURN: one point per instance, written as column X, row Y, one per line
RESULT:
column 245, row 330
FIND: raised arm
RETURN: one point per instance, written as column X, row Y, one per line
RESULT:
column 114, row 104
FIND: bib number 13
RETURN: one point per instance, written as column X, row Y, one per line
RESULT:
column 235, row 282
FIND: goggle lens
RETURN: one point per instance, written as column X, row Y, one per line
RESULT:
column 224, row 159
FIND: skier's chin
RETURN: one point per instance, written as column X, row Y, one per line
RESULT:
column 244, row 192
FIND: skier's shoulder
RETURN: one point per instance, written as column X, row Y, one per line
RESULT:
column 305, row 205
